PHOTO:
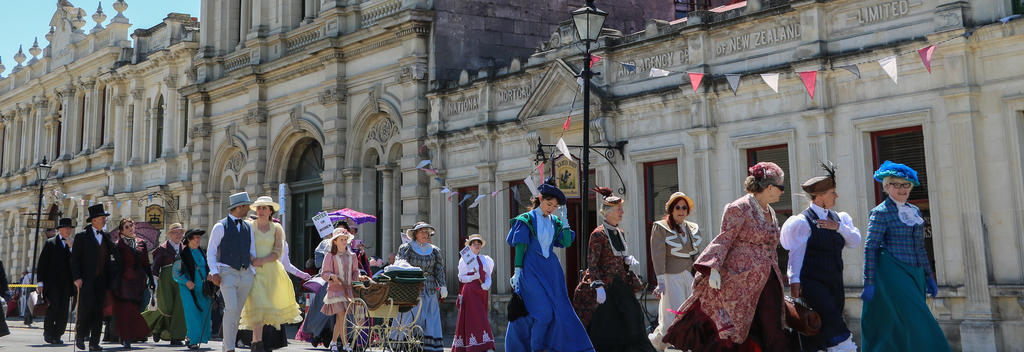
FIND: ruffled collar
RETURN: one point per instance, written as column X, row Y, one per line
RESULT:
column 908, row 214
column 422, row 249
column 677, row 240
column 615, row 237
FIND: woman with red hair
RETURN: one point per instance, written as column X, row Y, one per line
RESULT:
column 737, row 300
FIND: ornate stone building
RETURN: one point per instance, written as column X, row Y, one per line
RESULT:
column 960, row 125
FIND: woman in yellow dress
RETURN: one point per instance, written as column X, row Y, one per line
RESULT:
column 272, row 299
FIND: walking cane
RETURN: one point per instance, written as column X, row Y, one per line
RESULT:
column 74, row 333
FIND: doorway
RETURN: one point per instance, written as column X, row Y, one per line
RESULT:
column 306, row 200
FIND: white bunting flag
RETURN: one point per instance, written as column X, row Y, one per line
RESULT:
column 657, row 72
column 891, row 68
column 579, row 81
column 445, row 190
column 423, row 164
column 477, row 201
column 563, row 148
column 532, row 185
column 772, row 80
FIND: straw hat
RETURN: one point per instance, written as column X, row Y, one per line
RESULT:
column 339, row 232
column 266, row 201
column 476, row 237
column 678, row 195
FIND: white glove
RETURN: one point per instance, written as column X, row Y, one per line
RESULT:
column 632, row 261
column 514, row 281
column 444, row 292
column 486, row 286
column 715, row 280
column 561, row 215
column 601, row 297
column 660, row 289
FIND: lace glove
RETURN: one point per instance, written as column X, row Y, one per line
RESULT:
column 514, row 281
column 715, row 279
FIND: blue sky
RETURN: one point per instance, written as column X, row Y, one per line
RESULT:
column 21, row 21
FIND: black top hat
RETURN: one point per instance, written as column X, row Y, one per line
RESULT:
column 64, row 222
column 96, row 211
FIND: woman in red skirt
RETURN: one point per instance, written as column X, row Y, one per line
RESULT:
column 473, row 330
column 131, row 282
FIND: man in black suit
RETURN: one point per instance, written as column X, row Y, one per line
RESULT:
column 93, row 269
column 55, row 281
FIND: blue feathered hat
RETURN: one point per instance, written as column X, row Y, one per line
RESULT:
column 548, row 189
column 889, row 168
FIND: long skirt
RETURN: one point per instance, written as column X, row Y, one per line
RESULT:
column 317, row 328
column 694, row 330
column 617, row 325
column 678, row 287
column 128, row 320
column 197, row 313
column 551, row 323
column 898, row 318
column 472, row 329
column 429, row 320
column 827, row 297
column 167, row 321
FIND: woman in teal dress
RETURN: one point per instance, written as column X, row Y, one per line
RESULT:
column 190, row 274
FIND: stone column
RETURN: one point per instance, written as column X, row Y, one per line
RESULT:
column 117, row 127
column 181, row 138
column 5, row 146
column 136, row 124
column 94, row 116
column 40, row 135
column 977, row 331
column 26, row 136
column 89, row 119
column 245, row 22
column 310, row 11
column 19, row 130
column 66, row 99
column 150, row 139
column 388, row 216
column 702, row 178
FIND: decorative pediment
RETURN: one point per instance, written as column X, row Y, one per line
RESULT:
column 555, row 93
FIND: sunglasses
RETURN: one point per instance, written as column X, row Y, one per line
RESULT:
column 903, row 185
column 780, row 187
column 681, row 207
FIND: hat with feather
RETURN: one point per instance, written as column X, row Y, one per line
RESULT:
column 819, row 184
column 608, row 198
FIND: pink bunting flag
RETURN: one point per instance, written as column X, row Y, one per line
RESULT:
column 540, row 168
column 926, row 56
column 495, row 193
column 594, row 59
column 432, row 172
column 565, row 126
column 810, row 79
column 695, row 79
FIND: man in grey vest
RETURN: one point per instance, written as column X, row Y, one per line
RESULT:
column 229, row 256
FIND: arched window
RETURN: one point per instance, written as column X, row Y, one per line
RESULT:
column 184, row 123
column 103, row 114
column 56, row 131
column 81, row 123
column 158, row 138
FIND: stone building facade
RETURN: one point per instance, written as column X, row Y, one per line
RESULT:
column 960, row 125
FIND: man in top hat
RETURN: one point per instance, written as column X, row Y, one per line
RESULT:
column 55, row 281
column 815, row 239
column 172, row 325
column 229, row 255
column 93, row 269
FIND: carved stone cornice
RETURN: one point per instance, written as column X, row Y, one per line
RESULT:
column 333, row 95
column 138, row 93
column 201, row 130
column 256, row 115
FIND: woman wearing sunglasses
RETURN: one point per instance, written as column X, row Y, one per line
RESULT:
column 674, row 245
column 737, row 292
column 897, row 273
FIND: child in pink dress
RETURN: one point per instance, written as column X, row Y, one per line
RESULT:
column 340, row 270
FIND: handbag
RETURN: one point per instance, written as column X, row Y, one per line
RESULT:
column 210, row 289
column 516, row 308
column 39, row 304
column 802, row 318
column 314, row 284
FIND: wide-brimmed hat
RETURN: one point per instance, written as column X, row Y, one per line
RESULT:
column 889, row 168
column 192, row 232
column 550, row 190
column 175, row 226
column 340, row 232
column 421, row 225
column 475, row 237
column 266, row 201
column 238, row 199
column 96, row 211
column 64, row 222
column 679, row 195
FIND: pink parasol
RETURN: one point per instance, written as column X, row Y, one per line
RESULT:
column 143, row 230
column 352, row 216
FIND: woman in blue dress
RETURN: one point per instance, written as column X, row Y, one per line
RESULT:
column 190, row 274
column 550, row 323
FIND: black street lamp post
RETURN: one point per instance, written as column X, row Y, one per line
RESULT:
column 43, row 172
column 588, row 21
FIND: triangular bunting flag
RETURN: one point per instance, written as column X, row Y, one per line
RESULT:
column 657, row 72
column 452, row 195
column 540, row 168
column 423, row 164
column 565, row 126
column 594, row 59
column 695, row 79
column 772, row 80
column 629, row 67
column 926, row 56
column 439, row 181
column 432, row 172
column 853, row 69
column 890, row 67
column 464, row 199
column 810, row 79
column 477, row 201
column 445, row 190
column 562, row 148
column 734, row 82
column 579, row 81
column 495, row 193
column 532, row 185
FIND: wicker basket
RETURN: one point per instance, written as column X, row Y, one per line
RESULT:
column 375, row 295
column 405, row 294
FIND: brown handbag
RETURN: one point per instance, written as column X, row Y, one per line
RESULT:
column 802, row 318
column 39, row 309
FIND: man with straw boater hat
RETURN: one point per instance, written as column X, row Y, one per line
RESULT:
column 93, row 269
column 229, row 255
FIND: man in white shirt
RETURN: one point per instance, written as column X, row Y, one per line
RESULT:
column 229, row 255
